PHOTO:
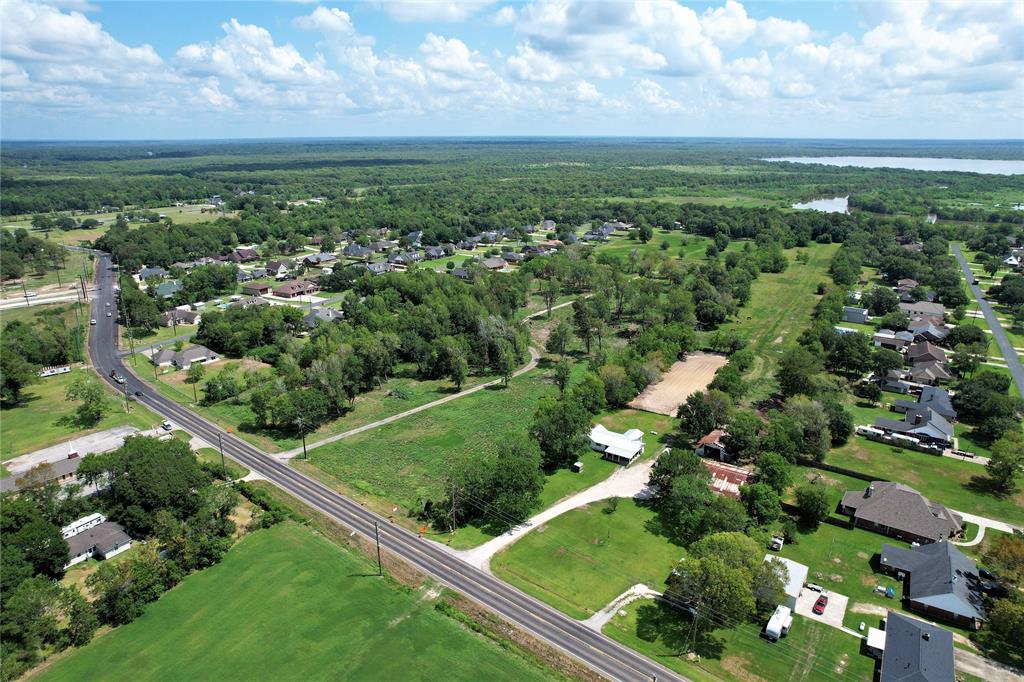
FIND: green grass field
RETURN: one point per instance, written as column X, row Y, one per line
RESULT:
column 287, row 604
column 212, row 456
column 942, row 479
column 76, row 263
column 811, row 652
column 42, row 419
column 405, row 461
column 779, row 310
column 583, row 559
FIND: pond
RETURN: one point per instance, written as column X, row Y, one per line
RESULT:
column 922, row 163
column 833, row 205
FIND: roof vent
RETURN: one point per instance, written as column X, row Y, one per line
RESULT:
column 926, row 636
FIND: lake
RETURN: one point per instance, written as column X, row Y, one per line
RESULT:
column 922, row 163
column 833, row 205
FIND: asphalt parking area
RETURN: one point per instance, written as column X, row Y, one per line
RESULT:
column 834, row 611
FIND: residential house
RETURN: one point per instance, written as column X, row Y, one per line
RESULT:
column 319, row 259
column 246, row 253
column 925, row 351
column 185, row 265
column 102, row 541
column 528, row 229
column 168, row 289
column 250, row 301
column 60, row 471
column 898, row 381
column 256, row 289
column 512, row 257
column 938, row 581
column 382, row 245
column 243, row 276
column 145, row 273
column 494, row 263
column 259, row 273
column 930, row 373
column 852, row 314
column 356, row 251
column 466, row 245
column 928, row 329
column 321, row 315
column 462, row 273
column 712, row 445
column 83, row 524
column 907, row 284
column 547, row 225
column 407, row 258
column 279, row 269
column 795, row 579
column 912, row 650
column 374, row 268
column 296, row 288
column 608, row 228
column 185, row 358
column 897, row 341
column 178, row 316
column 621, row 448
column 594, row 237
column 923, row 309
column 434, row 252
column 232, row 257
column 933, row 397
column 415, row 237
column 901, row 512
column 922, row 425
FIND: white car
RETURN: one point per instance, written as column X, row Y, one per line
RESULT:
column 92, row 321
column 166, row 425
column 108, row 314
column 107, row 304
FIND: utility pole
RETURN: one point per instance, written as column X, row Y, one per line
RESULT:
column 128, row 328
column 124, row 385
column 376, row 533
column 220, row 443
column 25, row 292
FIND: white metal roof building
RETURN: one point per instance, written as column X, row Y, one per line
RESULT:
column 621, row 448
column 795, row 582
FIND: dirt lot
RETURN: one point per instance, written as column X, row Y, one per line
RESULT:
column 683, row 378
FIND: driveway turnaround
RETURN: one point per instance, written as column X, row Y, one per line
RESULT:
column 604, row 656
column 998, row 333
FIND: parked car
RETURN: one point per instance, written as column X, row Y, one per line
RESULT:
column 819, row 606
column 775, row 544
column 166, row 425
column 92, row 321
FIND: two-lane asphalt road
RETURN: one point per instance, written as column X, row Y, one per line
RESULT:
column 998, row 333
column 604, row 656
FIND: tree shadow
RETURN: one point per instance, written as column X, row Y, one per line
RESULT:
column 676, row 632
column 986, row 485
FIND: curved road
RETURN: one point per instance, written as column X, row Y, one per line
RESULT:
column 998, row 333
column 601, row 654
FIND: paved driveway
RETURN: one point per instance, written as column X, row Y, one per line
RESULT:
column 834, row 612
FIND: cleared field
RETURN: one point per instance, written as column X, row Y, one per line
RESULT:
column 44, row 417
column 286, row 604
column 405, row 461
column 682, row 379
column 582, row 560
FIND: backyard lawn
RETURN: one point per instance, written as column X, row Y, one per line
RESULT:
column 811, row 651
column 580, row 561
column 44, row 417
column 285, row 603
column 942, row 479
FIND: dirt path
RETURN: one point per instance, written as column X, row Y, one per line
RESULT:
column 682, row 379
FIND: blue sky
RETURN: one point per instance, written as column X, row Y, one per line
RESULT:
column 73, row 69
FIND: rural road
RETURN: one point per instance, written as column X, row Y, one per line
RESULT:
column 998, row 333
column 603, row 655
column 534, row 358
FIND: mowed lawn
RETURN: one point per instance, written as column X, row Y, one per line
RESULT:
column 287, row 604
column 44, row 416
column 812, row 651
column 405, row 461
column 580, row 561
column 942, row 479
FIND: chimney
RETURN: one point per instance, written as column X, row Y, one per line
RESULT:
column 870, row 490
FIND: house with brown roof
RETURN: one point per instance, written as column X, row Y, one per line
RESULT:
column 925, row 351
column 295, row 288
column 899, row 511
column 711, row 445
column 494, row 263
column 247, row 254
column 256, row 289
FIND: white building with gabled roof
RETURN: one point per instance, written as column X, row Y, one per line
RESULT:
column 621, row 448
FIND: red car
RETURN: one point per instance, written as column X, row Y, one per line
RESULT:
column 819, row 606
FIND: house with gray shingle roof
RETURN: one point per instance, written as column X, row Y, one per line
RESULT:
column 931, row 396
column 938, row 580
column 168, row 289
column 921, row 422
column 901, row 512
column 145, row 273
column 322, row 315
column 915, row 651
